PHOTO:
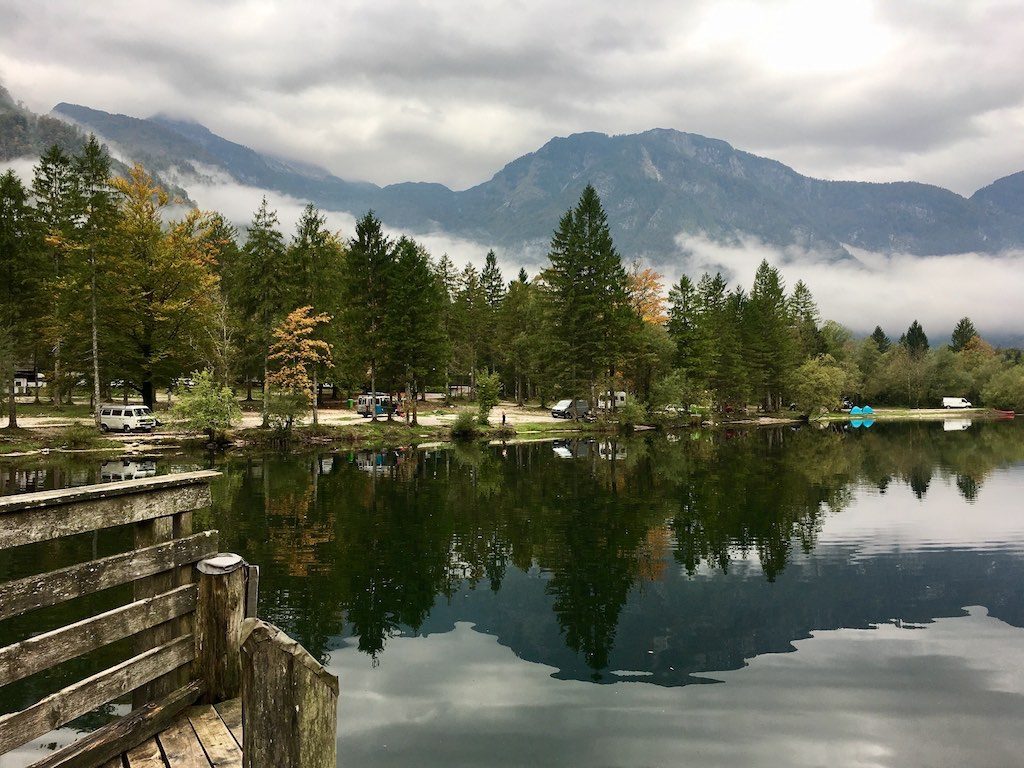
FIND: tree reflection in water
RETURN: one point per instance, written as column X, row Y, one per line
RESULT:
column 368, row 545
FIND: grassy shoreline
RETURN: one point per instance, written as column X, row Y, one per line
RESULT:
column 79, row 437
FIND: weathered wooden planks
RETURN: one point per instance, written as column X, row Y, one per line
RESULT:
column 112, row 740
column 289, row 702
column 33, row 517
column 146, row 755
column 220, row 746
column 231, row 713
column 47, row 650
column 181, row 746
column 23, row 595
column 68, row 703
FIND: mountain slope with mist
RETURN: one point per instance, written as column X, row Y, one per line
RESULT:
column 655, row 185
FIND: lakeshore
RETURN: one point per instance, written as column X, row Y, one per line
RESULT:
column 44, row 429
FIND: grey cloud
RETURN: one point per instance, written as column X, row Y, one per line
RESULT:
column 342, row 84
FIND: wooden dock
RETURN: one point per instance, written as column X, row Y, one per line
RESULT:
column 207, row 736
column 200, row 661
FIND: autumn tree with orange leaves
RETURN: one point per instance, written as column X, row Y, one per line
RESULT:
column 646, row 294
column 295, row 354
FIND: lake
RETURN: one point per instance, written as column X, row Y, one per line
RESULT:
column 758, row 597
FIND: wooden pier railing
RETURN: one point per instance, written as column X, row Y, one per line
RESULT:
column 183, row 622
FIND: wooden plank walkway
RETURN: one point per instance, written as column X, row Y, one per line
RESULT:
column 207, row 736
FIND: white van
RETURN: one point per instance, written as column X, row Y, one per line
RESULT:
column 956, row 402
column 126, row 418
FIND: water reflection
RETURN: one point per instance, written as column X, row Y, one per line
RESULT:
column 665, row 560
column 668, row 558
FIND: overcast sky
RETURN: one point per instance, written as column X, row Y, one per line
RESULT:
column 390, row 91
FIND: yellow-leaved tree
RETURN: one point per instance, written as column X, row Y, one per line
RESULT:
column 295, row 354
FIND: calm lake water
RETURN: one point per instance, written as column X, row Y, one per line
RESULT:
column 772, row 597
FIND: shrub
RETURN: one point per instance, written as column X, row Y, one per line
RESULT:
column 464, row 427
column 487, row 388
column 1005, row 389
column 631, row 413
column 79, row 436
column 207, row 407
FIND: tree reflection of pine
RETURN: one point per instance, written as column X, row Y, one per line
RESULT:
column 372, row 554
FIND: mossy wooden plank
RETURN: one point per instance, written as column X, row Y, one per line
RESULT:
column 146, row 755
column 289, row 702
column 231, row 713
column 75, row 700
column 23, row 595
column 49, row 649
column 181, row 746
column 220, row 746
column 100, row 510
column 131, row 730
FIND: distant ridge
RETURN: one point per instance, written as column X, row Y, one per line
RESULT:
column 655, row 185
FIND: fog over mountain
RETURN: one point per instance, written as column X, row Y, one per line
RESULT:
column 679, row 201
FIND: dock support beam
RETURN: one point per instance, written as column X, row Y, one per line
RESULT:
column 221, row 610
column 289, row 703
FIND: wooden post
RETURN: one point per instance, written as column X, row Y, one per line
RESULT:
column 289, row 703
column 219, row 616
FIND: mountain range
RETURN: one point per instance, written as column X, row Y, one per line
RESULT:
column 654, row 185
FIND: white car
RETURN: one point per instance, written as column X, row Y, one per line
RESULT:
column 126, row 418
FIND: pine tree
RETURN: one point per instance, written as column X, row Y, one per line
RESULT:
column 880, row 339
column 772, row 346
column 369, row 268
column 20, row 305
column 263, row 286
column 588, row 292
column 493, row 286
column 805, row 317
column 315, row 256
column 963, row 333
column 413, row 327
column 915, row 340
column 682, row 325
column 53, row 188
column 98, row 219
column 470, row 322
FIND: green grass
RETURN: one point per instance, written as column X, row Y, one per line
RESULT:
column 73, row 437
column 76, row 410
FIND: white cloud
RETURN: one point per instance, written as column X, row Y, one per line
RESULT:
column 879, row 289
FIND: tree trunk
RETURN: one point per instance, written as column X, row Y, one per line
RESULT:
column 12, row 405
column 55, row 386
column 415, row 407
column 408, row 398
column 373, row 392
column 248, row 390
column 266, row 389
column 95, row 350
column 316, row 400
column 148, row 391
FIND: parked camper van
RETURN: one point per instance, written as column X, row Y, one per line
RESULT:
column 126, row 418
column 618, row 400
column 956, row 402
column 370, row 401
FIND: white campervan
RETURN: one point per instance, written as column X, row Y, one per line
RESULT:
column 126, row 418
column 618, row 400
column 956, row 402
